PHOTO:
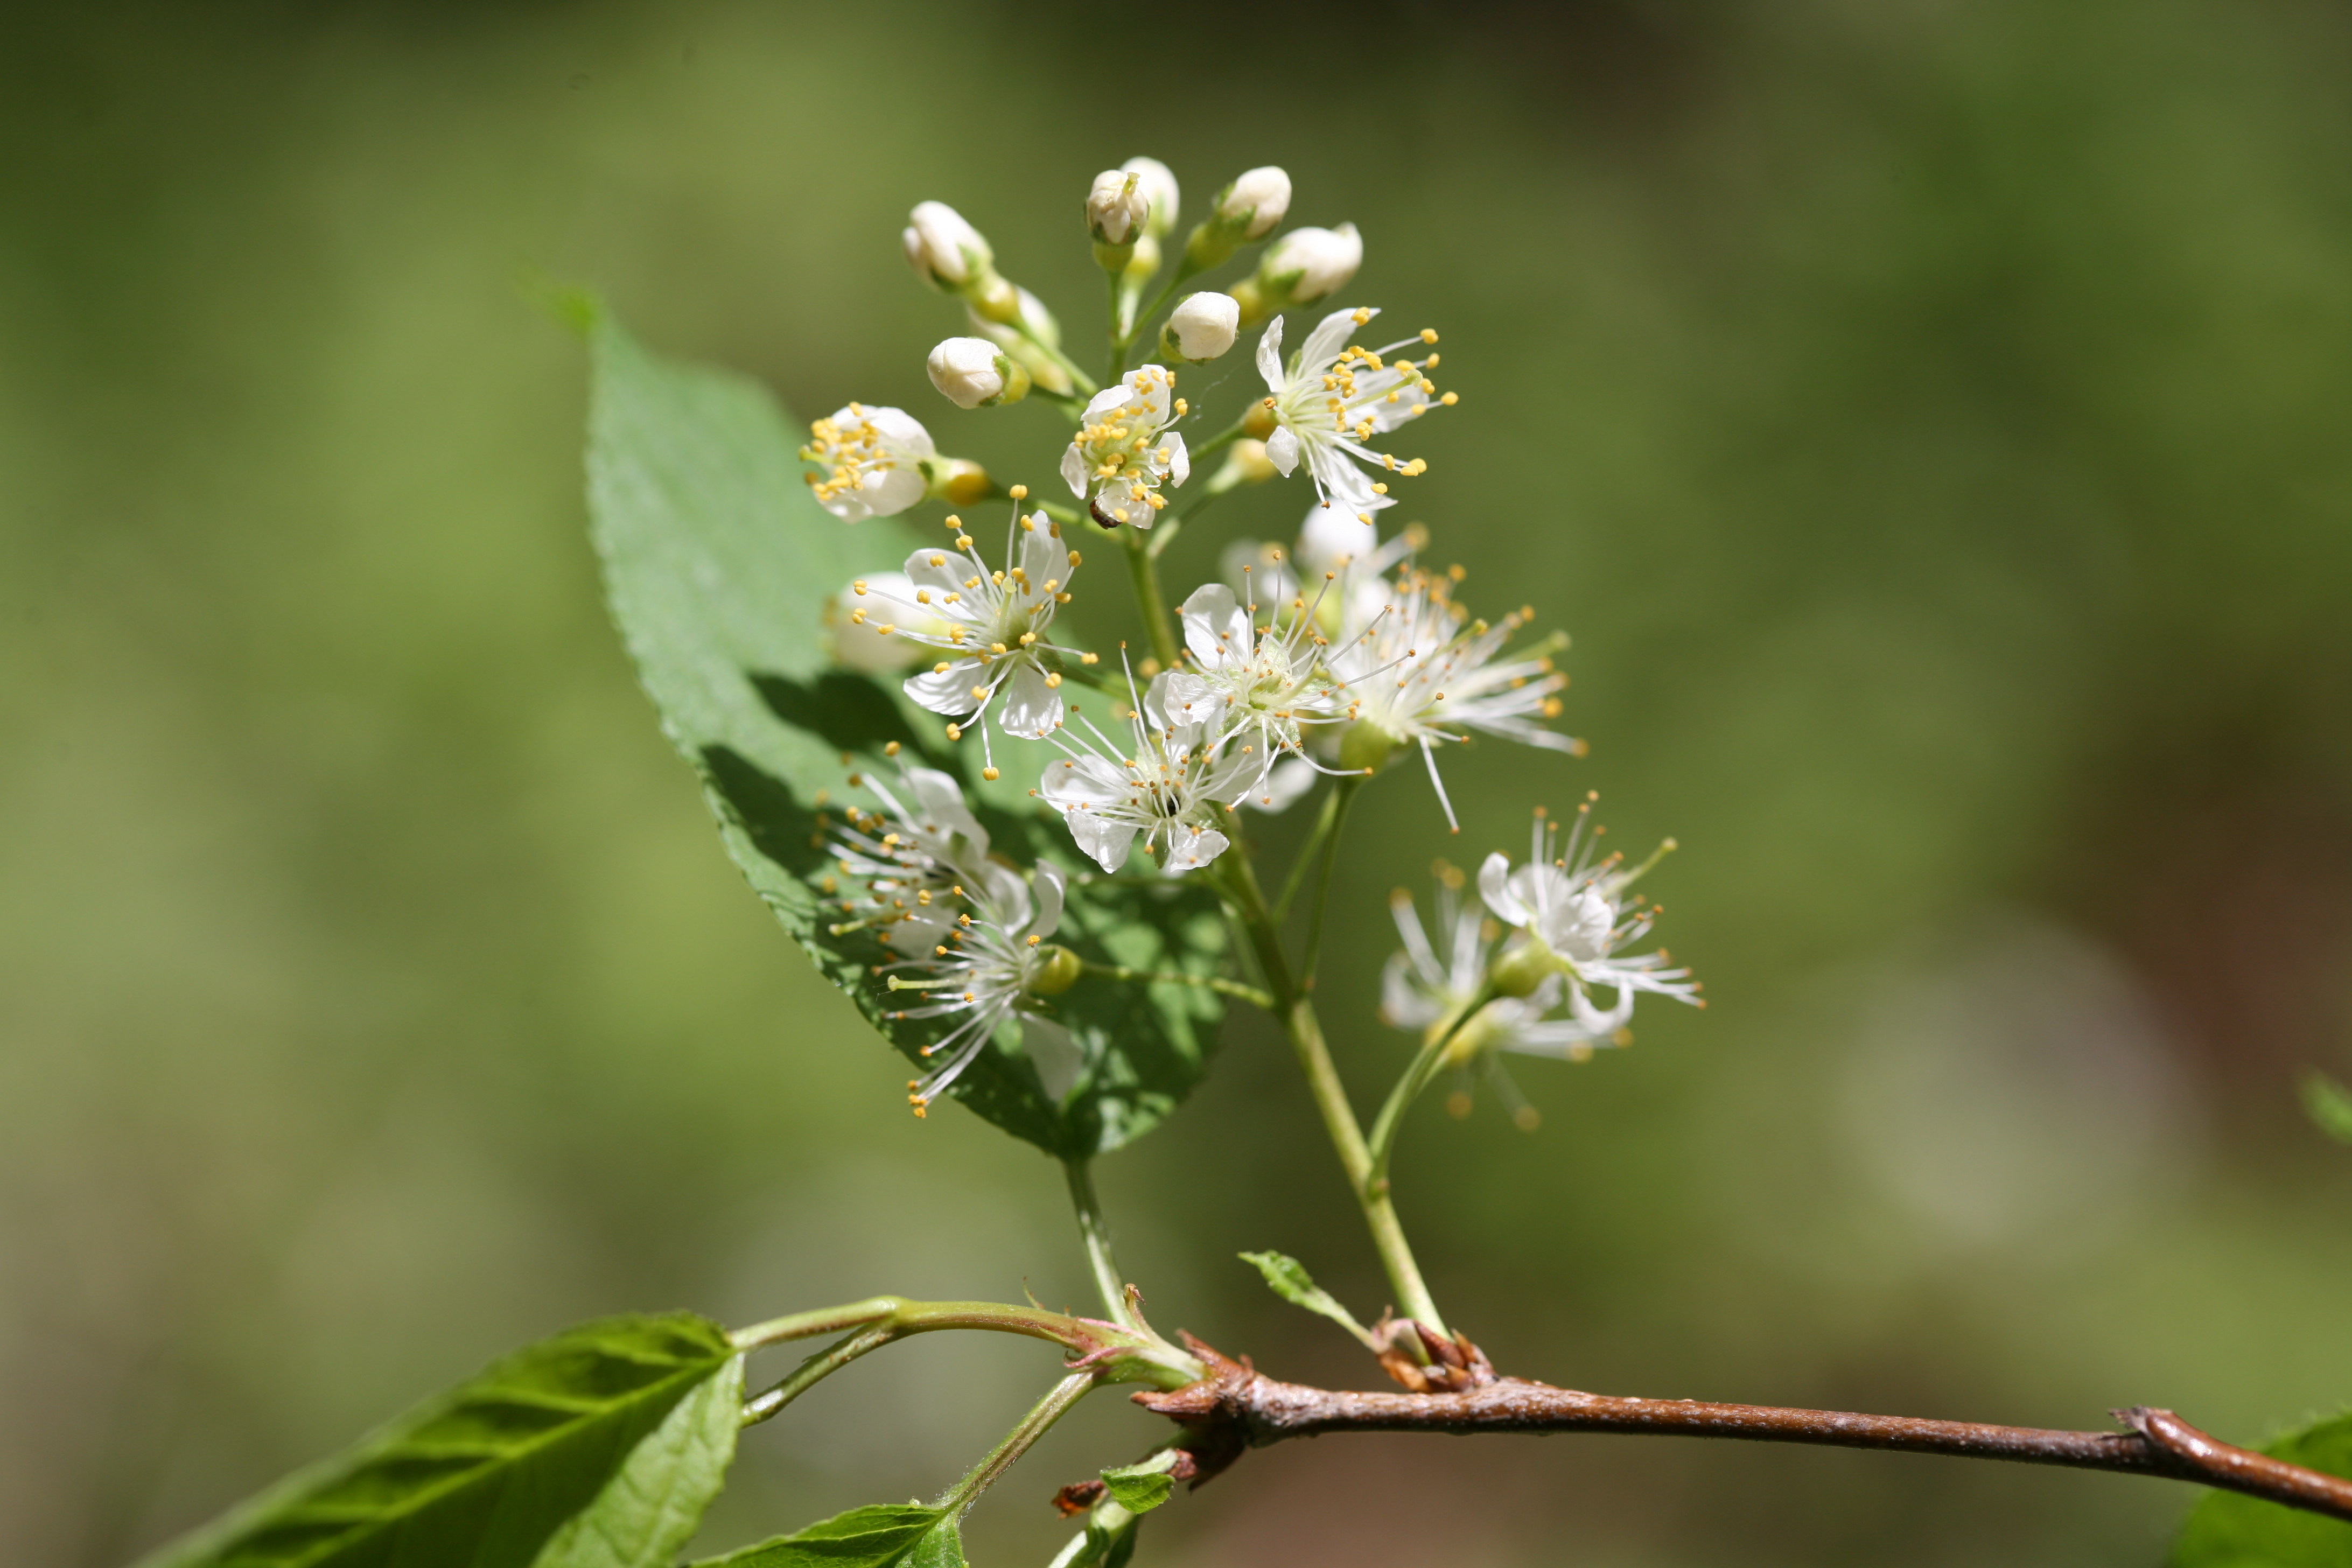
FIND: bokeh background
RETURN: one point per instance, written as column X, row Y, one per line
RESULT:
column 1930, row 418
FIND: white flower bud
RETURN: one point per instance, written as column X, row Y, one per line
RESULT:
column 1309, row 264
column 1203, row 327
column 1159, row 187
column 973, row 372
column 856, row 619
column 944, row 250
column 1257, row 201
column 1116, row 208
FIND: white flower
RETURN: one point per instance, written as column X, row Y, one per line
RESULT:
column 1124, row 452
column 1332, row 399
column 983, row 972
column 1412, row 667
column 974, row 372
column 873, row 460
column 1117, row 206
column 913, row 858
column 1165, row 786
column 1329, row 542
column 1309, row 264
column 860, row 644
column 1258, row 200
column 1572, row 916
column 995, row 632
column 1203, row 327
column 944, row 250
column 1159, row 185
column 1260, row 682
column 1424, row 991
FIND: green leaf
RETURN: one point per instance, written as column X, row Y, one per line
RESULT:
column 487, row 1473
column 1140, row 1488
column 653, row 1506
column 2227, row 1529
column 717, row 563
column 2330, row 1104
column 883, row 1536
column 1288, row 1279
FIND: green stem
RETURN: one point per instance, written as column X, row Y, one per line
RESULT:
column 1106, row 1527
column 1416, row 1078
column 1185, row 272
column 1222, row 987
column 1159, row 624
column 815, row 1370
column 1343, row 795
column 1109, row 1282
column 1307, row 853
column 1078, row 377
column 1305, row 1032
column 1121, row 1354
column 1017, row 1442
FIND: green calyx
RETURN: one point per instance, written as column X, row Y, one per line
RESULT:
column 1056, row 975
column 1519, row 971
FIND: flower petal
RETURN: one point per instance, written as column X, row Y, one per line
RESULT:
column 1282, row 451
column 1269, row 357
column 1180, row 461
column 1049, row 890
column 1217, row 628
column 947, row 691
column 1074, row 470
column 1493, row 886
column 1031, row 708
column 1102, row 840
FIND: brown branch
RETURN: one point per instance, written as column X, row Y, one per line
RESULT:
column 1254, row 1410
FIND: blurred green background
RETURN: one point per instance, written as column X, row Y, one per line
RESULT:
column 1930, row 419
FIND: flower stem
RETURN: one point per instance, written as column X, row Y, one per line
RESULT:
column 1305, row 1031
column 1307, row 853
column 815, row 1370
column 1095, row 1230
column 1117, row 1354
column 1078, row 377
column 1236, row 989
column 1017, row 1442
column 1145, row 573
column 1343, row 795
column 1416, row 1078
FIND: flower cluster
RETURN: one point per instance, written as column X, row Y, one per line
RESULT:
column 1330, row 658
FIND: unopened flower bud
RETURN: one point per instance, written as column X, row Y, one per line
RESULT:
column 1309, row 264
column 1201, row 327
column 944, row 250
column 1247, row 209
column 1159, row 187
column 1117, row 207
column 973, row 372
column 1255, row 202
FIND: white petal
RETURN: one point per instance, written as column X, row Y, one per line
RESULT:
column 917, row 936
column 1029, row 708
column 941, row 802
column 942, row 572
column 947, row 691
column 1216, row 628
column 903, row 436
column 1269, row 357
column 1323, row 343
column 1044, row 558
column 1049, row 890
column 1074, row 470
column 1074, row 785
column 889, row 492
column 1109, row 400
column 1190, row 849
column 1493, row 886
column 1281, row 452
column 1180, row 461
column 1052, row 1050
column 1104, row 842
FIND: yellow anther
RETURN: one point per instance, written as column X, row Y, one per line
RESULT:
column 990, row 774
